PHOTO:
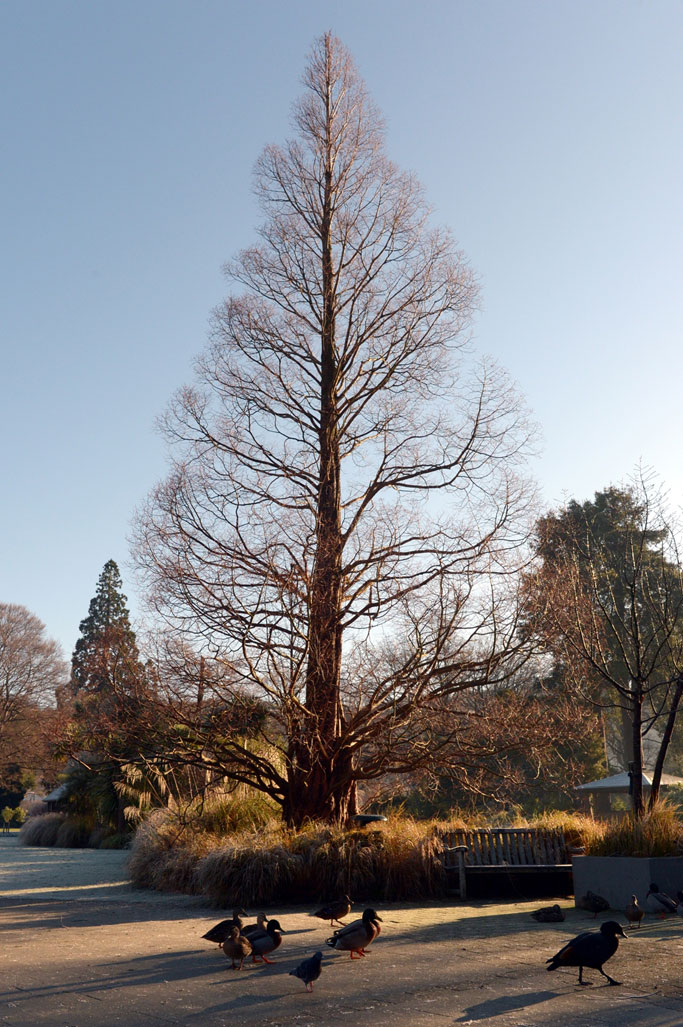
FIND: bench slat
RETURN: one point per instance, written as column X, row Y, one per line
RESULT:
column 505, row 848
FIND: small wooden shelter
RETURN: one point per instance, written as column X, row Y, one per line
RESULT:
column 600, row 794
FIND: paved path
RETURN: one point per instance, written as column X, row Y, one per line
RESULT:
column 80, row 948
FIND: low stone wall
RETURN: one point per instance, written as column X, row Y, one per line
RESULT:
column 617, row 878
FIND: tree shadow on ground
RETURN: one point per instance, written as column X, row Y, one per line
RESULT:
column 494, row 924
column 505, row 1004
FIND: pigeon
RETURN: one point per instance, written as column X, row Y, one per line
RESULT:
column 593, row 903
column 659, row 902
column 236, row 946
column 308, row 970
column 335, row 910
column 634, row 913
column 221, row 931
column 591, row 949
column 548, row 914
column 358, row 935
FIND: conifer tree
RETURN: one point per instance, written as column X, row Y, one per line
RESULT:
column 105, row 658
column 107, row 682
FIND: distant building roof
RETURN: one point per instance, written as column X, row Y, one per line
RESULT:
column 32, row 796
column 60, row 792
column 621, row 783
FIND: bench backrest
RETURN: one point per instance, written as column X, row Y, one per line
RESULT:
column 514, row 846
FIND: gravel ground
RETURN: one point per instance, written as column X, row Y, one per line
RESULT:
column 81, row 948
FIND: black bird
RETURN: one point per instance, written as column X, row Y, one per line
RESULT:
column 591, row 949
column 593, row 903
column 309, row 970
column 335, row 910
column 221, row 932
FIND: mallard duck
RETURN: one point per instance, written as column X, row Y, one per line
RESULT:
column 262, row 944
column 548, row 914
column 593, row 903
column 309, row 970
column 221, row 931
column 236, row 946
column 358, row 935
column 260, row 927
column 335, row 910
column 659, row 902
column 634, row 913
column 591, row 949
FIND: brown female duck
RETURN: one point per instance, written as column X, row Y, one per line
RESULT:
column 236, row 946
column 221, row 931
column 634, row 913
column 548, row 914
column 260, row 927
column 335, row 910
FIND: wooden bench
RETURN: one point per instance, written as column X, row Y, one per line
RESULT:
column 502, row 850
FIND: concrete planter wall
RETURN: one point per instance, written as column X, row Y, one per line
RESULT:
column 616, row 878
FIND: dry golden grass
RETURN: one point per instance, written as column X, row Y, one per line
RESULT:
column 248, row 873
column 580, row 830
column 658, row 833
column 399, row 859
column 396, row 860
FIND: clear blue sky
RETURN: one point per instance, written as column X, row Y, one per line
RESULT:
column 548, row 137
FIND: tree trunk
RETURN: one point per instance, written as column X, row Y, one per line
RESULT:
column 664, row 744
column 325, row 790
column 323, row 672
column 637, row 736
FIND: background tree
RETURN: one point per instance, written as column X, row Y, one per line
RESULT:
column 105, row 659
column 298, row 535
column 608, row 601
column 32, row 669
column 108, row 689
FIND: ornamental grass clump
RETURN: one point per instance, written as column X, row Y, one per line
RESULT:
column 338, row 862
column 251, row 871
column 397, row 860
column 658, row 833
column 412, row 863
column 400, row 859
column 73, row 833
column 161, row 856
column 580, row 830
column 41, row 830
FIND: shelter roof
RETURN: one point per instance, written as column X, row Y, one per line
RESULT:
column 620, row 783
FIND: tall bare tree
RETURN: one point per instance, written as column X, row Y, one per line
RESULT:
column 299, row 524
